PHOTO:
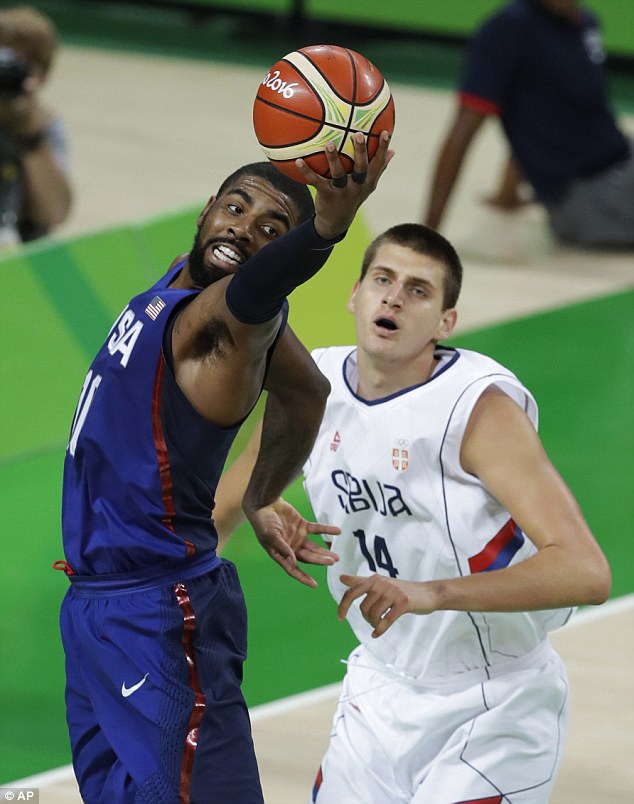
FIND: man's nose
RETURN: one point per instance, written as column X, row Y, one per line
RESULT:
column 394, row 296
column 241, row 230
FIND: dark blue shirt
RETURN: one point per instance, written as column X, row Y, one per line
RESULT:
column 544, row 76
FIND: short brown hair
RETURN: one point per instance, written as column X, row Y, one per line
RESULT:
column 31, row 33
column 422, row 240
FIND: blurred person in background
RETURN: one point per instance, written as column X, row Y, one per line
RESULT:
column 538, row 65
column 35, row 192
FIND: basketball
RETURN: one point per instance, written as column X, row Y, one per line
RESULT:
column 320, row 94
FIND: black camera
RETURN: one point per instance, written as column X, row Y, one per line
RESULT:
column 14, row 70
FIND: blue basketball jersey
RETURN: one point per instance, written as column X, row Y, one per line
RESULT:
column 141, row 464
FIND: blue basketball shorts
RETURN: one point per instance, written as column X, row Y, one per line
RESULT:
column 154, row 704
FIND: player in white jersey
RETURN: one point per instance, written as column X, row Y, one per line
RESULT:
column 460, row 548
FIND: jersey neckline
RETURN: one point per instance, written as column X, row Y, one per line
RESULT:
column 447, row 356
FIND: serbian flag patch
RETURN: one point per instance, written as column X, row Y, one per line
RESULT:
column 499, row 552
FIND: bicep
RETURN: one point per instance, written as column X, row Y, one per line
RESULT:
column 502, row 449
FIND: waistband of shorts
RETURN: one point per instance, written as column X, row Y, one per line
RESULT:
column 535, row 658
column 163, row 574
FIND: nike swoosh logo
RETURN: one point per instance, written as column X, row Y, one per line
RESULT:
column 126, row 691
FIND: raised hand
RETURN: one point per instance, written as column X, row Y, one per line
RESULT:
column 338, row 198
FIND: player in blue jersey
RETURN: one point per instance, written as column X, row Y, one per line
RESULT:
column 538, row 66
column 460, row 549
column 154, row 623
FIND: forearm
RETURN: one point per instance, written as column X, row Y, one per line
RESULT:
column 445, row 176
column 47, row 189
column 258, row 289
column 288, row 434
column 228, row 512
column 550, row 579
column 449, row 163
column 547, row 580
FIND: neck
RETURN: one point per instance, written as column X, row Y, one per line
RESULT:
column 182, row 278
column 379, row 377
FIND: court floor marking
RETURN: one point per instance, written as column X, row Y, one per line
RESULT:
column 327, row 692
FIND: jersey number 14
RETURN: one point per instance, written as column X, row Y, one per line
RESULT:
column 381, row 559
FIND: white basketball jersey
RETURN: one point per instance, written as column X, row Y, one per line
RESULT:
column 388, row 473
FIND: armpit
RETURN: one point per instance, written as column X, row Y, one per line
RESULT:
column 213, row 339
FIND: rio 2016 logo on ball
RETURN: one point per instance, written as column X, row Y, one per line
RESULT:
column 320, row 94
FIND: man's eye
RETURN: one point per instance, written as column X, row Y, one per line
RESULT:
column 270, row 231
column 235, row 208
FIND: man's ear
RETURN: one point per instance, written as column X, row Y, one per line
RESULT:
column 447, row 323
column 203, row 214
column 352, row 297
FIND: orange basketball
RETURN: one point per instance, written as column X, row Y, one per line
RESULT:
column 320, row 94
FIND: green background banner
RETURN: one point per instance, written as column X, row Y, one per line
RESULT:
column 453, row 18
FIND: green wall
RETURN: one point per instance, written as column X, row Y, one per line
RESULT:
column 452, row 18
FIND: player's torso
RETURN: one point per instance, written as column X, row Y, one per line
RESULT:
column 388, row 473
column 141, row 464
column 370, row 472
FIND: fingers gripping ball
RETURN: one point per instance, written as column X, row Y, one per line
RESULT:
column 320, row 94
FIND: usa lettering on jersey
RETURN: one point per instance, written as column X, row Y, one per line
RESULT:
column 124, row 334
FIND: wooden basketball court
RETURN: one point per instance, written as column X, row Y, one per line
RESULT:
column 151, row 135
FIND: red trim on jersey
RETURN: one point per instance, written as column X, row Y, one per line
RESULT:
column 478, row 104
column 484, row 559
column 198, row 710
column 165, row 471
column 490, row 800
column 64, row 566
column 318, row 780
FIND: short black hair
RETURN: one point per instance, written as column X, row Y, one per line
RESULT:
column 298, row 193
column 422, row 240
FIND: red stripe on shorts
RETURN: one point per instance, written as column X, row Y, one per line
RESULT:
column 490, row 800
column 191, row 741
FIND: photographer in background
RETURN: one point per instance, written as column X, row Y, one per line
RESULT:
column 35, row 193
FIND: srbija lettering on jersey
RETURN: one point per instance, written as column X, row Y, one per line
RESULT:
column 388, row 473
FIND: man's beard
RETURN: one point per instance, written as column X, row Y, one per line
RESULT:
column 203, row 275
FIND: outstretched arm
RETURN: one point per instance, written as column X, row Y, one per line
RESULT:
column 286, row 411
column 452, row 152
column 297, row 393
column 240, row 315
column 501, row 447
column 509, row 194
